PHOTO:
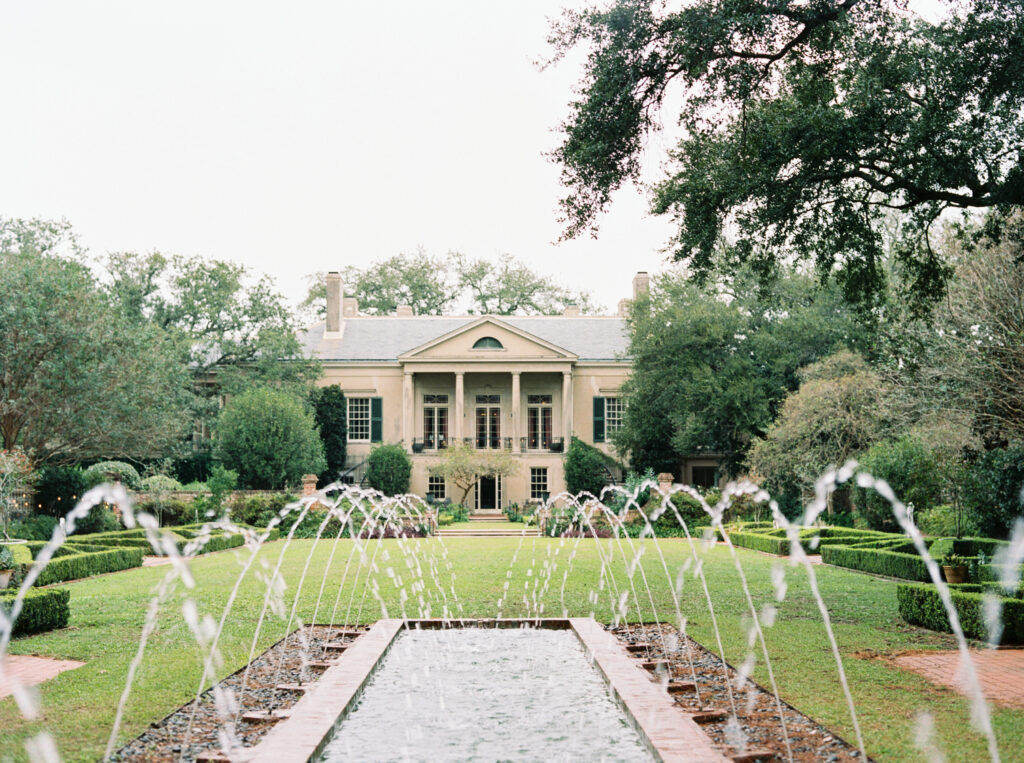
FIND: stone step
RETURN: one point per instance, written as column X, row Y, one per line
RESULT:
column 750, row 756
column 681, row 687
column 709, row 715
column 496, row 533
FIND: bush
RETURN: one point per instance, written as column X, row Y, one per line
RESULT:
column 992, row 492
column 193, row 468
column 160, row 483
column 105, row 471
column 59, row 489
column 270, row 438
column 966, row 547
column 585, row 470
column 877, row 561
column 76, row 566
column 258, row 510
column 100, row 519
column 942, row 520
column 388, row 469
column 921, row 605
column 34, row 527
column 332, row 420
column 911, row 471
column 171, row 511
column 41, row 610
column 760, row 542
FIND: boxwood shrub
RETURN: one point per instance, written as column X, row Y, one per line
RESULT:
column 877, row 561
column 41, row 610
column 921, row 605
column 75, row 566
column 761, row 542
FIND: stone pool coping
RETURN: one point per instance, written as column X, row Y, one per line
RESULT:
column 669, row 733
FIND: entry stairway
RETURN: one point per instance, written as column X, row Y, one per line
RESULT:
column 489, row 524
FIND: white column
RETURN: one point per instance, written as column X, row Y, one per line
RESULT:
column 567, row 406
column 408, row 410
column 460, row 405
column 517, row 428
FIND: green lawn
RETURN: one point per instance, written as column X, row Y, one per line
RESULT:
column 108, row 613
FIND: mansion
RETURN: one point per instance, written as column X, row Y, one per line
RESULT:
column 522, row 384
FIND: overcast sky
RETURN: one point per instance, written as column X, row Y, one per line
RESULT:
column 297, row 137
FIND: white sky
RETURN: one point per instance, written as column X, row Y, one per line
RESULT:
column 296, row 137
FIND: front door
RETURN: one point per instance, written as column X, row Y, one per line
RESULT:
column 487, row 493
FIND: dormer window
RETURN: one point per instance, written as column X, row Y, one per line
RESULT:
column 488, row 343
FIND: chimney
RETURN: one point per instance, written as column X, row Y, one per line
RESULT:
column 403, row 310
column 335, row 290
column 571, row 311
column 349, row 307
column 641, row 285
column 624, row 307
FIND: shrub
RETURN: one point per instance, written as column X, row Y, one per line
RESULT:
column 58, row 489
column 41, row 610
column 332, row 420
column 160, row 483
column 877, row 561
column 911, row 471
column 921, row 605
column 171, row 511
column 993, row 490
column 193, row 468
column 759, row 542
column 585, row 470
column 100, row 519
column 34, row 527
column 258, row 510
column 942, row 520
column 270, row 438
column 105, row 471
column 76, row 566
column 388, row 469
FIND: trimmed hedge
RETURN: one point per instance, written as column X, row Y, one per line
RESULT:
column 966, row 546
column 761, row 542
column 879, row 562
column 40, row 610
column 76, row 566
column 921, row 605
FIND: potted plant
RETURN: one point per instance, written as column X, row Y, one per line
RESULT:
column 954, row 568
column 6, row 566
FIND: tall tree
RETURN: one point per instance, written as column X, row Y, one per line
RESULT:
column 226, row 328
column 508, row 287
column 800, row 122
column 331, row 415
column 78, row 379
column 712, row 363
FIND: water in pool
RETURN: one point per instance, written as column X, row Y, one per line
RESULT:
column 486, row 694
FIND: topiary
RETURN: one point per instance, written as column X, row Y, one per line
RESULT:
column 160, row 483
column 108, row 471
column 388, row 469
column 585, row 469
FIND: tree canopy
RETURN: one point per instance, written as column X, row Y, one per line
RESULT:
column 801, row 122
column 437, row 285
column 79, row 380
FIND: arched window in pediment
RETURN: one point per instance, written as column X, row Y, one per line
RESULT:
column 488, row 343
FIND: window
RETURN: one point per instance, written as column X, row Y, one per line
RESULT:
column 435, row 421
column 358, row 419
column 436, row 487
column 538, row 421
column 607, row 416
column 613, row 410
column 488, row 422
column 539, row 482
column 365, row 419
column 488, row 343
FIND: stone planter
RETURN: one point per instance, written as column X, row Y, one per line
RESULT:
column 5, row 578
column 957, row 574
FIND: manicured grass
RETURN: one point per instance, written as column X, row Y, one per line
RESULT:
column 108, row 613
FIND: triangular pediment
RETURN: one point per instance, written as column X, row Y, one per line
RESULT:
column 487, row 339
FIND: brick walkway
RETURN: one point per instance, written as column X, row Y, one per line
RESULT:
column 1001, row 672
column 31, row 670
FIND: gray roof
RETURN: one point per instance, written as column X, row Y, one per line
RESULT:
column 387, row 337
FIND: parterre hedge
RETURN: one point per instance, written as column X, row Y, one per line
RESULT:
column 771, row 544
column 877, row 561
column 921, row 605
column 966, row 546
column 41, row 610
column 76, row 566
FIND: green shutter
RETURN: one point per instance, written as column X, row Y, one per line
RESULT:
column 598, row 419
column 376, row 420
